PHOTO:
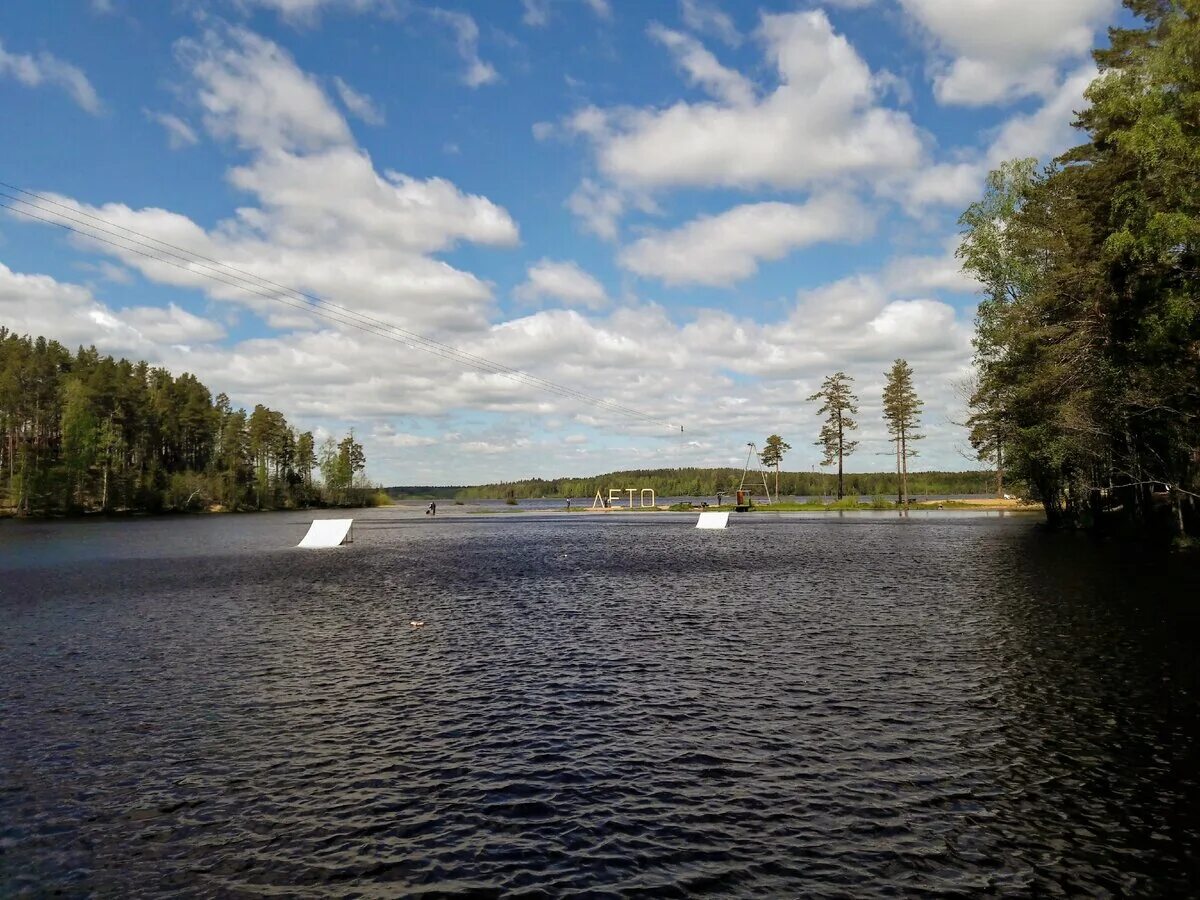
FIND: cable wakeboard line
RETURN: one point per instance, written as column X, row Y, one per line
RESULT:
column 132, row 241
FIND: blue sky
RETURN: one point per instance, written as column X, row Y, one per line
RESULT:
column 693, row 209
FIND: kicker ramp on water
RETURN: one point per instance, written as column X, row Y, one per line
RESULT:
column 328, row 533
column 713, row 520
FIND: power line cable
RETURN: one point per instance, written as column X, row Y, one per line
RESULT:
column 436, row 347
column 308, row 298
column 567, row 393
column 304, row 308
column 193, row 263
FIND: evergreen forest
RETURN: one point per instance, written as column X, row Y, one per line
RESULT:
column 82, row 432
column 1088, row 333
column 695, row 482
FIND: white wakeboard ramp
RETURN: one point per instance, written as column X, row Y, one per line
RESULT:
column 713, row 520
column 328, row 533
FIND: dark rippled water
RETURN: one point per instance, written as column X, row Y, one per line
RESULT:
column 828, row 706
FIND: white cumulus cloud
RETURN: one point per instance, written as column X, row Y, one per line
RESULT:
column 989, row 52
column 358, row 104
column 326, row 221
column 252, row 91
column 601, row 8
column 317, row 211
column 563, row 281
column 308, row 12
column 709, row 19
column 536, row 12
column 1043, row 133
column 46, row 68
column 466, row 39
column 171, row 324
column 722, row 249
column 703, row 69
column 179, row 133
column 821, row 120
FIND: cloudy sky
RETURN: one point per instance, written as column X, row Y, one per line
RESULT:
column 691, row 208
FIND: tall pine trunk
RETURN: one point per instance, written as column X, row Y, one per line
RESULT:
column 899, row 485
column 841, row 443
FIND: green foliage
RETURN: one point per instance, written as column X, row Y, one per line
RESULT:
column 340, row 463
column 773, row 451
column 838, row 405
column 772, row 455
column 1088, row 334
column 692, row 482
column 901, row 405
column 845, row 503
column 85, row 432
column 902, row 412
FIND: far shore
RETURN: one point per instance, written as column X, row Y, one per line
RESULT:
column 974, row 503
column 212, row 509
column 982, row 504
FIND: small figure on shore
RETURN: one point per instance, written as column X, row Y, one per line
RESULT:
column 568, row 506
column 432, row 511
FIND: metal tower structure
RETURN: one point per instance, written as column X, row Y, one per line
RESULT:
column 747, row 475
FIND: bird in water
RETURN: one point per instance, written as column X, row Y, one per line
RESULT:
column 417, row 623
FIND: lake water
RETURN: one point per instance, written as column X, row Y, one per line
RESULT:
column 833, row 705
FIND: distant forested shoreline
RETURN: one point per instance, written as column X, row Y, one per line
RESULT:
column 696, row 482
column 81, row 432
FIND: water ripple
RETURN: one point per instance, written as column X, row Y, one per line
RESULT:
column 619, row 707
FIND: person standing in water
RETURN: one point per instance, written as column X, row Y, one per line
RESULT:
column 432, row 511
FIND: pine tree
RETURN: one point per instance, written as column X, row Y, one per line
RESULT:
column 839, row 404
column 772, row 456
column 902, row 410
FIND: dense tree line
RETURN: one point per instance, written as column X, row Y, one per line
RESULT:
column 689, row 482
column 1088, row 336
column 81, row 432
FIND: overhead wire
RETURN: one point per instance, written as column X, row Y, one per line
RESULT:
column 305, row 297
column 251, row 290
column 335, row 313
column 197, row 264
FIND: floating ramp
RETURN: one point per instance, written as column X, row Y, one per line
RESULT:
column 713, row 520
column 328, row 533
